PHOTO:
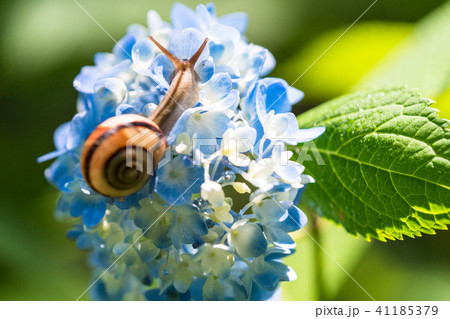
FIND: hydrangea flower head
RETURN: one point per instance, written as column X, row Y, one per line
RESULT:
column 181, row 236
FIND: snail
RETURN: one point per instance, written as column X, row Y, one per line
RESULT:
column 111, row 160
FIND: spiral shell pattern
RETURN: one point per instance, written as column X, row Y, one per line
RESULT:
column 119, row 157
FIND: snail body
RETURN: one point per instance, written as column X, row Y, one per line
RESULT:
column 112, row 160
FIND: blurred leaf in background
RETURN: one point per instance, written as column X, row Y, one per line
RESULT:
column 37, row 262
column 354, row 54
column 375, row 54
column 421, row 61
column 345, row 250
column 413, row 269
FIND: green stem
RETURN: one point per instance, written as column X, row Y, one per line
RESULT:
column 318, row 260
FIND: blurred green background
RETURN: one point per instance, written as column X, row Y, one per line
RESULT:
column 44, row 43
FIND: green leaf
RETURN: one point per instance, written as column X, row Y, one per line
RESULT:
column 387, row 164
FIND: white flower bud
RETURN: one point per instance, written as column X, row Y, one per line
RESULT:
column 213, row 193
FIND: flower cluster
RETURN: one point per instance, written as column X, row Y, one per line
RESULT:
column 214, row 221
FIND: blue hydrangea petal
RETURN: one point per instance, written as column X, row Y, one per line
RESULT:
column 79, row 130
column 160, row 236
column 204, row 16
column 59, row 139
column 213, row 289
column 212, row 125
column 50, row 156
column 101, row 258
column 153, row 295
column 295, row 219
column 111, row 89
column 218, row 87
column 279, row 237
column 268, row 274
column 268, row 278
column 177, row 181
column 196, row 288
column 183, row 17
column 110, row 92
column 74, row 233
column 306, row 135
column 270, row 211
column 186, row 42
column 267, row 95
column 84, row 242
column 250, row 66
column 60, row 172
column 127, row 252
column 248, row 240
column 211, row 8
column 201, row 125
column 226, row 35
column 117, row 70
column 177, row 236
column 292, row 124
column 259, row 293
column 298, row 196
column 126, row 109
column 137, row 30
column 62, row 209
column 242, row 285
column 239, row 292
column 276, row 98
column 60, row 136
column 205, row 69
column 269, row 64
column 290, row 172
column 154, row 21
column 142, row 54
column 228, row 103
column 148, row 251
column 122, row 50
column 162, row 70
column 146, row 217
column 133, row 199
column 285, row 272
column 294, row 95
column 275, row 252
column 182, row 281
column 274, row 191
column 171, row 294
column 77, row 205
column 84, row 81
column 192, row 220
column 91, row 208
column 104, row 60
column 216, row 50
column 94, row 211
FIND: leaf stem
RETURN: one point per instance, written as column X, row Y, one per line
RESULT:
column 318, row 260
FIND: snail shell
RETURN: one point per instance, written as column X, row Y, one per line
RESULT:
column 104, row 161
